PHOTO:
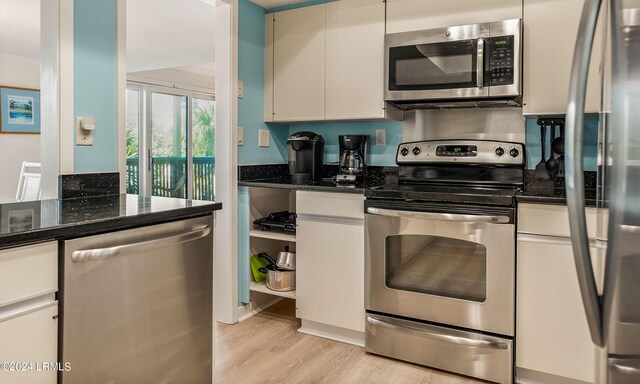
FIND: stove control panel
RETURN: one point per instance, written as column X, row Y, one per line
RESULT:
column 460, row 152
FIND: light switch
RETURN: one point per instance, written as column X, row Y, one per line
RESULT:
column 240, row 136
column 240, row 89
column 381, row 137
column 263, row 138
column 85, row 127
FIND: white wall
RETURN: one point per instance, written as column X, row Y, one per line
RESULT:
column 16, row 148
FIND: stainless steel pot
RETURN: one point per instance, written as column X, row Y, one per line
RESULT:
column 286, row 260
column 278, row 279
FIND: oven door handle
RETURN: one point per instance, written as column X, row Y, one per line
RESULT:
column 432, row 333
column 440, row 216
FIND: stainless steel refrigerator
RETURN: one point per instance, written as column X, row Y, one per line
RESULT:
column 614, row 313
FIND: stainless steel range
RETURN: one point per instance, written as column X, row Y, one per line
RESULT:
column 440, row 257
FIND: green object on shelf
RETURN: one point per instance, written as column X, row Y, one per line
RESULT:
column 256, row 263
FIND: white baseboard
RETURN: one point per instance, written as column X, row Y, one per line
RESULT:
column 333, row 333
column 256, row 306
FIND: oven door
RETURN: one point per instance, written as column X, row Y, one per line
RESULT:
column 441, row 63
column 446, row 266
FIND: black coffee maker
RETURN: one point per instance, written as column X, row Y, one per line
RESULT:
column 306, row 153
column 353, row 152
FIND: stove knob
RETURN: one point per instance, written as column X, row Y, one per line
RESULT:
column 416, row 151
column 404, row 151
column 499, row 151
column 514, row 152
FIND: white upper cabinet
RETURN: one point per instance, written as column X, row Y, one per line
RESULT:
column 415, row 15
column 550, row 31
column 355, row 59
column 298, row 64
column 326, row 62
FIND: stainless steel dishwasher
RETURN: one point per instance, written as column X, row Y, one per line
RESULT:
column 137, row 305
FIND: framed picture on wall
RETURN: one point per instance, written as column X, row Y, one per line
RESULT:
column 19, row 110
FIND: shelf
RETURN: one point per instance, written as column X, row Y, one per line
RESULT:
column 262, row 288
column 273, row 235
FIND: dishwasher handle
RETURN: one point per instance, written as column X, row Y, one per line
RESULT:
column 440, row 216
column 105, row 253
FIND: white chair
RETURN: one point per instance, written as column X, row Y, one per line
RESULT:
column 29, row 184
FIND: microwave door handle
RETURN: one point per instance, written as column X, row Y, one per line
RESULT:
column 480, row 63
column 574, row 175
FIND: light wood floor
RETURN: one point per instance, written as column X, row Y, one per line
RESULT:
column 267, row 349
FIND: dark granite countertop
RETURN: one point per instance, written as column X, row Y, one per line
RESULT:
column 326, row 185
column 277, row 176
column 552, row 191
column 32, row 221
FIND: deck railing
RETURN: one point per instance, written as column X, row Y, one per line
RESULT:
column 170, row 178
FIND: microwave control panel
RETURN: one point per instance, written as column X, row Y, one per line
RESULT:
column 501, row 61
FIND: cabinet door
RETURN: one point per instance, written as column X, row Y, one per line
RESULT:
column 299, row 64
column 415, row 15
column 551, row 326
column 355, row 59
column 30, row 337
column 550, row 31
column 330, row 272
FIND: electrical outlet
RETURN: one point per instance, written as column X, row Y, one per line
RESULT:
column 381, row 137
column 240, row 89
column 240, row 136
column 263, row 138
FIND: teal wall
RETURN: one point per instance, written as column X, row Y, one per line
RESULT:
column 590, row 143
column 251, row 52
column 95, row 83
column 382, row 155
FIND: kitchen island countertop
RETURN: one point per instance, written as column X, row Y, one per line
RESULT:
column 40, row 220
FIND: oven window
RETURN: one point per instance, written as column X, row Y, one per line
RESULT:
column 436, row 265
column 433, row 66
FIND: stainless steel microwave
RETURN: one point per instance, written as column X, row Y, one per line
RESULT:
column 477, row 65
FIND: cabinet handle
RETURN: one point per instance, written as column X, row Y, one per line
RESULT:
column 10, row 316
column 105, row 253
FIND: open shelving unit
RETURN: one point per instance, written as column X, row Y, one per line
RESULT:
column 262, row 202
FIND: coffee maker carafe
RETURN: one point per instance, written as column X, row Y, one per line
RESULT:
column 306, row 152
column 353, row 152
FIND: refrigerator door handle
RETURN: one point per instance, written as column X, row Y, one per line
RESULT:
column 105, row 253
column 574, row 174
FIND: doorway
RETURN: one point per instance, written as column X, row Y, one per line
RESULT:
column 170, row 142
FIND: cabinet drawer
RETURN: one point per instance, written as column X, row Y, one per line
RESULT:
column 551, row 220
column 330, row 204
column 28, row 271
column 30, row 337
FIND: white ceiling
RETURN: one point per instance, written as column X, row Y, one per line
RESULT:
column 160, row 33
column 20, row 28
column 169, row 33
column 268, row 4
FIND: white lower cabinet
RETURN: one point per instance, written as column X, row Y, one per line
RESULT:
column 29, row 346
column 29, row 314
column 553, row 344
column 330, row 266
